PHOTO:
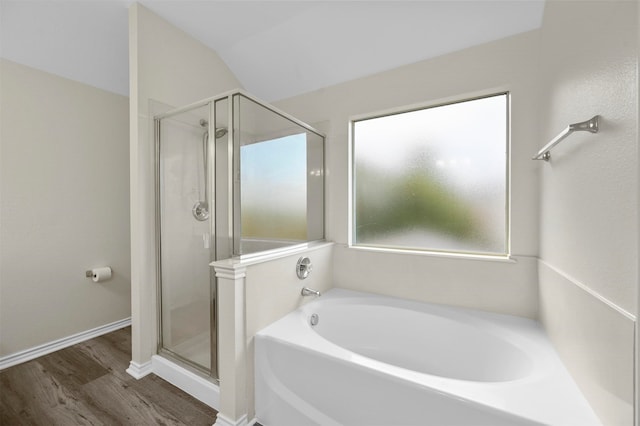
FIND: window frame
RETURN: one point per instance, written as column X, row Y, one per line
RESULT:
column 430, row 251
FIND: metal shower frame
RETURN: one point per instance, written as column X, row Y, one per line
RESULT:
column 233, row 211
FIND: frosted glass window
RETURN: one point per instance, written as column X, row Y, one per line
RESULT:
column 433, row 179
column 274, row 189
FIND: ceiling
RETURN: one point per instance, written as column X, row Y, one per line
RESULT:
column 276, row 49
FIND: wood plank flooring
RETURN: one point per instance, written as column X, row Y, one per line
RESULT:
column 86, row 384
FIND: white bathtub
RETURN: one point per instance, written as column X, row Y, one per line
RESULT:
column 374, row 360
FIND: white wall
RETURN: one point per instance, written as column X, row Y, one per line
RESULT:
column 509, row 64
column 589, row 201
column 64, row 208
column 637, row 336
column 273, row 290
column 167, row 66
column 582, row 62
column 256, row 292
column 589, row 198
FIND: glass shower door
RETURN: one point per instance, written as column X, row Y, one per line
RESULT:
column 185, row 244
column 234, row 177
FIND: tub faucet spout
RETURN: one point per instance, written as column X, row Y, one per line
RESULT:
column 306, row 291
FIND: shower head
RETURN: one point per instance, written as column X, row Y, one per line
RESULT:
column 220, row 131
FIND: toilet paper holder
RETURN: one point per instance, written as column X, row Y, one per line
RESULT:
column 99, row 274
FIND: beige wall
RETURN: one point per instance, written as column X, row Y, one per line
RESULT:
column 589, row 198
column 509, row 64
column 167, row 66
column 64, row 207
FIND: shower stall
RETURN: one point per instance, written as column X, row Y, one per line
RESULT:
column 234, row 176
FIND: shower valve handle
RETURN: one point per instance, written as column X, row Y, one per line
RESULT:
column 303, row 267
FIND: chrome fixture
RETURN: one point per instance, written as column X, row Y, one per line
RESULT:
column 314, row 319
column 220, row 131
column 584, row 126
column 303, row 268
column 200, row 209
column 306, row 291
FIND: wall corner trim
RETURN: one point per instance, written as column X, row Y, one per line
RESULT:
column 56, row 345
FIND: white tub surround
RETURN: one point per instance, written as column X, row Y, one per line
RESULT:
column 240, row 286
column 595, row 339
column 379, row 360
column 589, row 206
column 496, row 285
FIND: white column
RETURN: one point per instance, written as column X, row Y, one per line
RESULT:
column 232, row 357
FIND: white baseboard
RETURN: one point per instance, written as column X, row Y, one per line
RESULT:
column 221, row 420
column 56, row 345
column 193, row 384
column 138, row 371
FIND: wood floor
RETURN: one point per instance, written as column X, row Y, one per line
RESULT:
column 86, row 384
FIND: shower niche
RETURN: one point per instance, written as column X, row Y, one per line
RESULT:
column 234, row 177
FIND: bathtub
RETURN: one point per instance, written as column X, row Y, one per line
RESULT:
column 374, row 360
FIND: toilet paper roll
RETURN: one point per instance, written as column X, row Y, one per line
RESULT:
column 100, row 274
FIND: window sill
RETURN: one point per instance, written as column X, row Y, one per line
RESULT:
column 448, row 255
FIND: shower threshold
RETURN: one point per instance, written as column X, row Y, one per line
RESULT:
column 196, row 384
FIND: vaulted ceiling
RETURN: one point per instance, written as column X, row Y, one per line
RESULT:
column 276, row 49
